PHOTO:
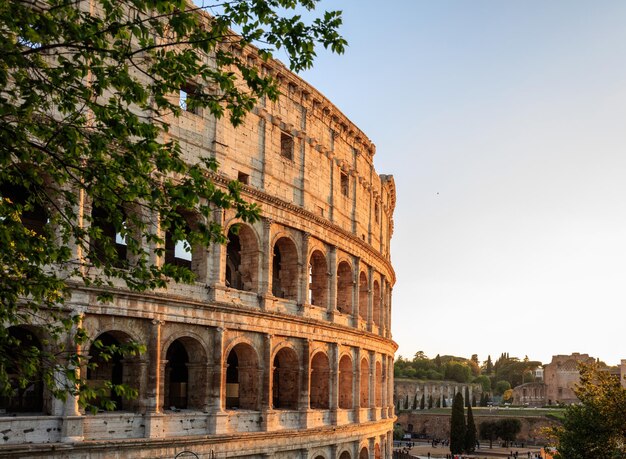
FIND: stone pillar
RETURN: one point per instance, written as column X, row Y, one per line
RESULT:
column 383, row 382
column 332, row 291
column 356, row 271
column 372, row 385
column 72, row 423
column 371, row 445
column 370, row 298
column 217, row 386
column 334, row 381
column 305, row 378
column 265, row 280
column 267, row 375
column 384, row 327
column 303, row 294
column 356, row 387
column 217, row 257
column 154, row 395
column 390, row 386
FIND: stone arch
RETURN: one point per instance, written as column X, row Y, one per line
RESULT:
column 344, row 287
column 285, row 379
column 116, row 368
column 242, row 258
column 376, row 304
column 378, row 399
column 185, row 381
column 285, row 269
column 181, row 252
column 346, row 378
column 26, row 344
column 319, row 382
column 365, row 383
column 242, row 377
column 318, row 279
column 363, row 295
column 345, row 455
column 364, row 454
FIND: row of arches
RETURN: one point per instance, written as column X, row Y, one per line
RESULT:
column 297, row 379
column 283, row 263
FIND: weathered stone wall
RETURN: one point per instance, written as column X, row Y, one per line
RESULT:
column 412, row 390
column 438, row 425
column 561, row 376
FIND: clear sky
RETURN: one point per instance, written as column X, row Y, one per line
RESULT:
column 504, row 125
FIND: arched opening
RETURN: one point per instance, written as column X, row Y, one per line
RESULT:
column 319, row 382
column 344, row 288
column 25, row 348
column 285, row 269
column 176, row 376
column 376, row 304
column 178, row 252
column 345, row 455
column 185, row 375
column 108, row 243
column 242, row 379
column 364, row 454
column 345, row 383
column 365, row 384
column 363, row 295
column 33, row 214
column 241, row 271
column 379, row 384
column 109, row 366
column 318, row 279
column 285, row 377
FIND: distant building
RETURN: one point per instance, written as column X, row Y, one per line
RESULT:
column 561, row 376
column 530, row 394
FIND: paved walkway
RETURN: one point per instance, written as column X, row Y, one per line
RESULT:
column 422, row 450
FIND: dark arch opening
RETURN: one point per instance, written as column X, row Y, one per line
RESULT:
column 285, row 380
column 176, row 376
column 106, row 367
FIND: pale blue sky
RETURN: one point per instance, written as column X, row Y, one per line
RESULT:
column 504, row 125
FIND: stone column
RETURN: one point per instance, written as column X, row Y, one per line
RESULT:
column 217, row 386
column 303, row 294
column 217, row 257
column 383, row 382
column 383, row 307
column 305, row 382
column 154, row 395
column 372, row 386
column 370, row 298
column 356, row 394
column 266, row 386
column 332, row 290
column 371, row 445
column 333, row 387
column 265, row 280
column 72, row 423
column 356, row 271
column 390, row 386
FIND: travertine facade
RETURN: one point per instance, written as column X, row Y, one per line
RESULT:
column 282, row 348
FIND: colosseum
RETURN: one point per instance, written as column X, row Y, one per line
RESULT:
column 282, row 347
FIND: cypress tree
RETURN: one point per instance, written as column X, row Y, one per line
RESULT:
column 473, row 400
column 467, row 397
column 430, row 402
column 415, row 402
column 406, row 403
column 443, row 402
column 470, row 432
column 457, row 425
column 423, row 402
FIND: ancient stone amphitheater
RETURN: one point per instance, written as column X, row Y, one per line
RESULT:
column 282, row 348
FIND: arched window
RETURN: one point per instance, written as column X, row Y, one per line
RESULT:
column 285, row 269
column 318, row 280
column 344, row 288
column 363, row 295
column 345, row 455
column 185, row 375
column 33, row 214
column 364, row 453
column 345, row 382
column 285, row 380
column 365, row 384
column 29, row 398
column 319, row 381
column 109, row 239
column 242, row 259
column 105, row 367
column 242, row 382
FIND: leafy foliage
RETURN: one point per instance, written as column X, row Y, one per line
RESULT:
column 505, row 429
column 88, row 91
column 597, row 426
